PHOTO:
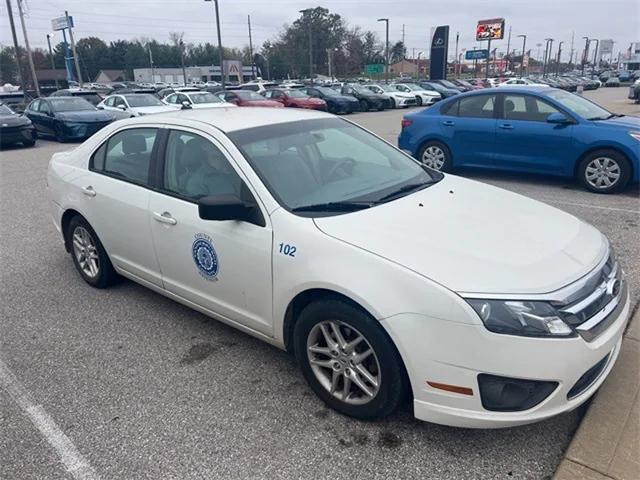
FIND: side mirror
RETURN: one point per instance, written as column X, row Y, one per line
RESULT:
column 100, row 107
column 229, row 207
column 121, row 107
column 557, row 118
column 186, row 105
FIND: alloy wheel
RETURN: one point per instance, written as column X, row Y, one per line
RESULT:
column 86, row 252
column 344, row 362
column 433, row 157
column 602, row 172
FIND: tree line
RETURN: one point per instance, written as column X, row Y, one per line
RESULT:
column 349, row 48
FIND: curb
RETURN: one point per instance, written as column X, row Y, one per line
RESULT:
column 607, row 443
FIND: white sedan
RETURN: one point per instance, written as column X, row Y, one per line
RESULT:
column 521, row 82
column 423, row 97
column 385, row 279
column 134, row 104
column 396, row 98
column 195, row 100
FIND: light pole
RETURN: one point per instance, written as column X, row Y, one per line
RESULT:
column 386, row 50
column 595, row 56
column 558, row 58
column 220, row 52
column 547, row 55
column 585, row 53
column 524, row 49
column 53, row 63
column 184, row 72
column 304, row 13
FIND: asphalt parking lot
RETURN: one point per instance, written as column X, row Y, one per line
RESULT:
column 146, row 388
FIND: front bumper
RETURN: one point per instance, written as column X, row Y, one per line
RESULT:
column 10, row 135
column 81, row 130
column 405, row 102
column 453, row 353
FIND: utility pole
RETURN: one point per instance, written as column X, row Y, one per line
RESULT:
column 547, row 55
column 585, row 53
column 151, row 63
column 486, row 73
column 304, row 13
column 558, row 58
column 572, row 49
column 329, row 63
column 184, row 72
column 403, row 53
column 508, row 46
column 386, row 50
column 34, row 79
column 524, row 50
column 595, row 56
column 253, row 75
column 220, row 51
column 73, row 49
column 457, row 61
column 53, row 63
column 16, row 47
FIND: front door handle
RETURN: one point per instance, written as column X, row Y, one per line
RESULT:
column 506, row 126
column 449, row 123
column 89, row 191
column 164, row 217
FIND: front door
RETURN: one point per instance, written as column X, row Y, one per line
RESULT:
column 222, row 266
column 526, row 141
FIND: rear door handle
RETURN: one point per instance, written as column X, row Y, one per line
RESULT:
column 506, row 126
column 89, row 191
column 449, row 123
column 164, row 217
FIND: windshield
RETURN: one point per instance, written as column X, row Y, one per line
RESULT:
column 4, row 110
column 248, row 95
column 297, row 94
column 413, row 86
column 361, row 89
column 580, row 105
column 143, row 100
column 328, row 162
column 385, row 88
column 205, row 97
column 447, row 83
column 433, row 86
column 329, row 92
column 70, row 104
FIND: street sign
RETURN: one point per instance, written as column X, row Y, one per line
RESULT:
column 476, row 54
column 374, row 68
column 61, row 23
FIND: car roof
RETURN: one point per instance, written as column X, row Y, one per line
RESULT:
column 234, row 118
column 515, row 89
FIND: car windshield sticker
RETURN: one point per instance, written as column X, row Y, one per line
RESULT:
column 205, row 257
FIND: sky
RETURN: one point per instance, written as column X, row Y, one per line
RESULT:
column 538, row 19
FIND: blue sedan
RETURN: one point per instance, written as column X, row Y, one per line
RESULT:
column 529, row 130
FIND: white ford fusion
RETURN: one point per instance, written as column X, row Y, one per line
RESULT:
column 387, row 280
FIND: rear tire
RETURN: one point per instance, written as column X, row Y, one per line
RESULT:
column 418, row 100
column 364, row 106
column 392, row 102
column 381, row 371
column 435, row 155
column 58, row 134
column 89, row 256
column 604, row 171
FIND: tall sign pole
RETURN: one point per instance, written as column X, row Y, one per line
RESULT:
column 16, row 47
column 253, row 75
column 73, row 49
column 34, row 78
column 53, row 64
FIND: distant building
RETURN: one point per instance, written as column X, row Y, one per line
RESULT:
column 631, row 57
column 203, row 74
column 410, row 67
column 110, row 76
column 47, row 77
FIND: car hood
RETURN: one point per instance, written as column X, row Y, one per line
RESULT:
column 14, row 121
column 622, row 122
column 155, row 109
column 342, row 98
column 85, row 116
column 475, row 238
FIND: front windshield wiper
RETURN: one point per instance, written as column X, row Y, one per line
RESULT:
column 411, row 187
column 333, row 207
column 607, row 117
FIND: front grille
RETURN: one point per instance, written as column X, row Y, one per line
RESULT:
column 597, row 303
column 588, row 379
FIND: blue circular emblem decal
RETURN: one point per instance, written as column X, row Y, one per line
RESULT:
column 204, row 256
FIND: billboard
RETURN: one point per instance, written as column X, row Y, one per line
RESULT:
column 492, row 29
column 61, row 23
column 476, row 54
column 374, row 68
column 439, row 52
column 606, row 46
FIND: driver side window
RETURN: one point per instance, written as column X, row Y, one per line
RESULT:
column 194, row 168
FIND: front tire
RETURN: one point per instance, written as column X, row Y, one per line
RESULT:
column 348, row 360
column 604, row 171
column 435, row 155
column 89, row 256
column 364, row 106
column 419, row 100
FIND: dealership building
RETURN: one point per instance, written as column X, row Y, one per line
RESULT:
column 194, row 74
column 631, row 58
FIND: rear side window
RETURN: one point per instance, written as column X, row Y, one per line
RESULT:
column 477, row 106
column 450, row 108
column 127, row 155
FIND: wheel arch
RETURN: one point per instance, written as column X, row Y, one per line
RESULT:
column 434, row 138
column 595, row 148
column 67, row 216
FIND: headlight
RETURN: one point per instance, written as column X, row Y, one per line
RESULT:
column 635, row 135
column 524, row 318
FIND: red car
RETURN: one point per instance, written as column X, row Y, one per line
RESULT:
column 295, row 98
column 247, row 98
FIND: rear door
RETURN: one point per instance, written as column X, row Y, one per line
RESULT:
column 115, row 195
column 526, row 141
column 469, row 128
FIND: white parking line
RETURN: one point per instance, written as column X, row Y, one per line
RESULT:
column 587, row 205
column 69, row 455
